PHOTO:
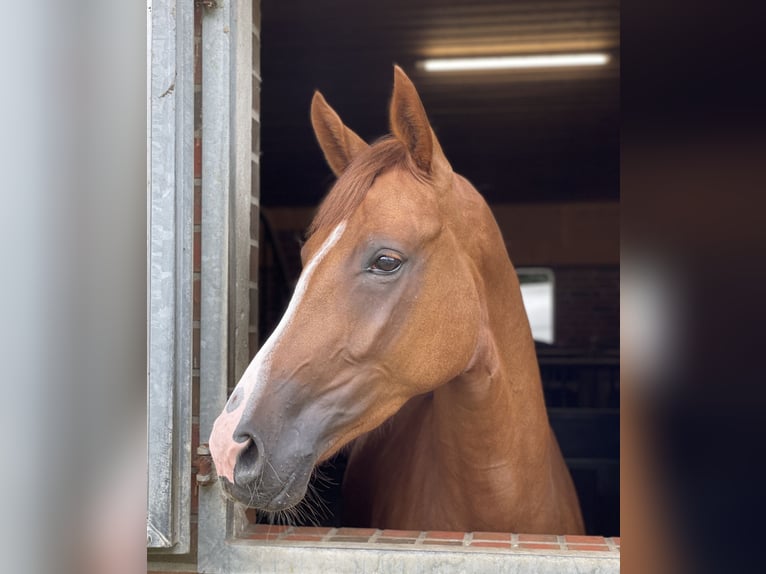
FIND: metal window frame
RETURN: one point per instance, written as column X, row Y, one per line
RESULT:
column 227, row 76
column 170, row 199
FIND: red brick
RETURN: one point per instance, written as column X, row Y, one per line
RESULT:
column 194, row 493
column 576, row 539
column 538, row 538
column 196, row 300
column 383, row 540
column 197, row 62
column 400, row 533
column 197, row 205
column 311, row 530
column 444, row 535
column 503, row 536
column 194, row 439
column 197, row 157
column 596, row 547
column 349, row 539
column 254, row 263
column 195, row 348
column 194, row 535
column 195, row 396
column 198, row 20
column 193, row 477
column 366, row 532
column 259, row 536
column 270, row 528
column 197, row 255
column 302, row 538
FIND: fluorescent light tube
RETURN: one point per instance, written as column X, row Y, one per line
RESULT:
column 514, row 62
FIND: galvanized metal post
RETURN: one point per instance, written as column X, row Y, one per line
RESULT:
column 226, row 184
column 170, row 204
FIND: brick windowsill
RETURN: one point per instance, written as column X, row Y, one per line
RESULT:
column 485, row 541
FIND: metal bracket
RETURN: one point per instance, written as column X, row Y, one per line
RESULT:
column 206, row 474
column 209, row 4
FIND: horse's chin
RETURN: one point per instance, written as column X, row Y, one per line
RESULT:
column 290, row 495
column 281, row 497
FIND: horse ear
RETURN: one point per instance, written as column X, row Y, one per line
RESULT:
column 339, row 144
column 409, row 122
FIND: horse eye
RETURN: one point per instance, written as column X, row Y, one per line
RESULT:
column 385, row 264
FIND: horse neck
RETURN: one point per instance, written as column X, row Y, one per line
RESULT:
column 493, row 415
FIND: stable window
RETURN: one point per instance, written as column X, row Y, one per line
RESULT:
column 227, row 541
column 538, row 292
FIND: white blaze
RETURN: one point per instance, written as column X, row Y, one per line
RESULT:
column 223, row 448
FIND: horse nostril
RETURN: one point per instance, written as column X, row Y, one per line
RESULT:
column 240, row 436
column 249, row 463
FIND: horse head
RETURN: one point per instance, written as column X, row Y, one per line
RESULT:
column 387, row 307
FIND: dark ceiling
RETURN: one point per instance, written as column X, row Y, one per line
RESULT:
column 547, row 135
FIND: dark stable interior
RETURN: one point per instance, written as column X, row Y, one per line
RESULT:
column 536, row 138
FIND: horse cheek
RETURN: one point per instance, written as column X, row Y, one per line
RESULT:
column 462, row 327
column 442, row 337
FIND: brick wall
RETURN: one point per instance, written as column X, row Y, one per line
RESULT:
column 197, row 268
column 255, row 190
column 587, row 307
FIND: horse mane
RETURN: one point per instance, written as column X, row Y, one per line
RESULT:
column 352, row 186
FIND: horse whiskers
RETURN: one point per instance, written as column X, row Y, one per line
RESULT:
column 318, row 475
column 316, row 504
column 274, row 470
column 253, row 492
column 253, row 488
column 309, row 511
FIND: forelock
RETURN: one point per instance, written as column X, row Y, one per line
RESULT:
column 352, row 186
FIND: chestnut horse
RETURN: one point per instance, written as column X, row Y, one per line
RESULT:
column 406, row 338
